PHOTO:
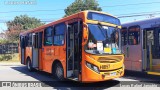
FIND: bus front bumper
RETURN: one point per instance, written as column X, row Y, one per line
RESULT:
column 92, row 76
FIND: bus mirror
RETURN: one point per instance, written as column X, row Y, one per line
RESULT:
column 85, row 33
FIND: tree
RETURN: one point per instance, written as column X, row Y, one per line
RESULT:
column 80, row 5
column 20, row 24
column 13, row 35
column 23, row 22
column 2, row 41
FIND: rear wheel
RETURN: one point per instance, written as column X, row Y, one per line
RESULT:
column 29, row 65
column 58, row 72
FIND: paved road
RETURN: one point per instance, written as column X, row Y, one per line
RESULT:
column 18, row 72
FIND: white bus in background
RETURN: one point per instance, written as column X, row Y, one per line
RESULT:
column 141, row 45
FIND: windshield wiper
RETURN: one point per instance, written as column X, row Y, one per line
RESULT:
column 100, row 27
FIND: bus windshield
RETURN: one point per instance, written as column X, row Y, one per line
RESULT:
column 103, row 40
column 103, row 18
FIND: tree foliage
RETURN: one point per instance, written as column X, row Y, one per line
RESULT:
column 81, row 5
column 20, row 24
column 13, row 35
column 23, row 22
column 3, row 41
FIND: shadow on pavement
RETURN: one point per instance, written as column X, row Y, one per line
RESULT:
column 142, row 77
column 47, row 79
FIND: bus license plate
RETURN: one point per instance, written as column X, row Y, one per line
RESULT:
column 113, row 74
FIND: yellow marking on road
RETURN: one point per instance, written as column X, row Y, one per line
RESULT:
column 153, row 73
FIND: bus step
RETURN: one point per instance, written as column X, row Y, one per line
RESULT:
column 74, row 79
column 153, row 73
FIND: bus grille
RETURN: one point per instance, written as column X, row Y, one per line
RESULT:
column 110, row 59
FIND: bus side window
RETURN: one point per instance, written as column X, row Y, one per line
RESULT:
column 40, row 39
column 134, row 35
column 26, row 40
column 124, row 36
column 22, row 44
column 59, row 34
column 48, row 36
column 29, row 40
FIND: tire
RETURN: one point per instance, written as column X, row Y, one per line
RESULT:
column 58, row 72
column 29, row 65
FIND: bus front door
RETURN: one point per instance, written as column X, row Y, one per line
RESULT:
column 148, row 41
column 73, row 50
column 152, row 48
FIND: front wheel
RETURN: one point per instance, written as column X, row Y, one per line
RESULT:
column 58, row 72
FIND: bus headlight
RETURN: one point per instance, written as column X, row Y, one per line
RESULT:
column 123, row 66
column 93, row 67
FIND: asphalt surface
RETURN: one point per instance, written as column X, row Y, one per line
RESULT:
column 16, row 72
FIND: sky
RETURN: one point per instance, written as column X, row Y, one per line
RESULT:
column 50, row 10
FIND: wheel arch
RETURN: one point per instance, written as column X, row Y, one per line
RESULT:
column 28, row 58
column 54, row 63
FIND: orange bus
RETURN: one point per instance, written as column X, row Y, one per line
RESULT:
column 85, row 47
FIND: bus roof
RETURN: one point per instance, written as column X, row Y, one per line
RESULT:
column 79, row 14
column 54, row 22
column 146, row 23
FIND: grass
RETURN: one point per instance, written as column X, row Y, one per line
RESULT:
column 9, row 57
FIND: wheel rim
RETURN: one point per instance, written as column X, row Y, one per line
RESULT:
column 59, row 72
column 28, row 65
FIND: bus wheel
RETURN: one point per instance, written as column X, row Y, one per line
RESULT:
column 58, row 72
column 29, row 65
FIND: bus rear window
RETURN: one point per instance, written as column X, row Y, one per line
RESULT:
column 133, row 35
column 103, row 18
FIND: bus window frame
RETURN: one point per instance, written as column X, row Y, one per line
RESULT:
column 103, row 21
column 137, row 26
column 126, row 36
column 29, row 35
column 64, row 38
column 22, row 42
column 40, row 39
column 45, row 36
column 26, row 40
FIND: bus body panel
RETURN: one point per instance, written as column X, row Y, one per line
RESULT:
column 134, row 59
column 104, row 73
column 28, row 53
